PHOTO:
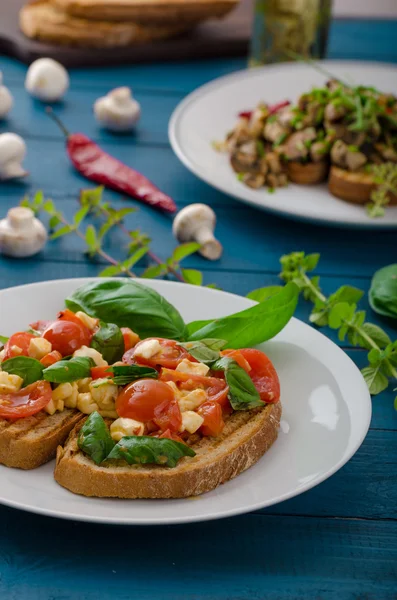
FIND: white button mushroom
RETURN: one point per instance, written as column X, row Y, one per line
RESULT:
column 197, row 223
column 6, row 99
column 47, row 80
column 12, row 153
column 21, row 234
column 118, row 110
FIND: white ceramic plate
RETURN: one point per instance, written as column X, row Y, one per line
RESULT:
column 326, row 415
column 210, row 112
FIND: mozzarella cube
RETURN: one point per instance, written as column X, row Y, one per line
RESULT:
column 66, row 392
column 2, row 355
column 192, row 400
column 88, row 321
column 85, row 403
column 104, row 392
column 122, row 427
column 148, row 349
column 191, row 421
column 174, row 388
column 16, row 350
column 192, row 368
column 10, row 384
column 83, row 385
column 91, row 353
column 39, row 347
column 53, row 406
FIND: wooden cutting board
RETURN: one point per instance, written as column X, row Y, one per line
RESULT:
column 216, row 38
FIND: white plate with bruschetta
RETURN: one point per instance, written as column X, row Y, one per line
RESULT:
column 305, row 141
column 291, row 412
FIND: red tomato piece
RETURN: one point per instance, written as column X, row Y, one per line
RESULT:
column 170, row 356
column 66, row 336
column 21, row 341
column 213, row 421
column 238, row 357
column 167, row 415
column 130, row 338
column 171, row 436
column 40, row 326
column 51, row 358
column 101, row 372
column 69, row 315
column 263, row 374
column 140, row 399
column 27, row 402
column 216, row 389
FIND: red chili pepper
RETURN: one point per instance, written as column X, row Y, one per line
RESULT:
column 276, row 107
column 99, row 166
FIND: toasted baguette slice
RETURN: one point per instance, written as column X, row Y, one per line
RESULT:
column 354, row 186
column 148, row 11
column 41, row 20
column 30, row 442
column 246, row 437
column 307, row 174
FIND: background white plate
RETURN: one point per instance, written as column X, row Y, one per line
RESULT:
column 326, row 415
column 210, row 112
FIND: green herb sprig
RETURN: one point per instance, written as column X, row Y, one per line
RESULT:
column 385, row 176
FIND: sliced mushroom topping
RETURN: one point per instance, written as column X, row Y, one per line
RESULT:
column 254, row 181
column 273, row 161
column 273, row 131
column 285, row 116
column 319, row 150
column 298, row 144
column 274, row 180
column 338, row 153
column 334, row 112
column 355, row 160
column 257, row 122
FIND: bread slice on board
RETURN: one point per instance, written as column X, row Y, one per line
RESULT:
column 148, row 11
column 44, row 21
column 355, row 187
column 30, row 442
column 246, row 437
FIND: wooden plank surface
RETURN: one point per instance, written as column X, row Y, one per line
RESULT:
column 337, row 541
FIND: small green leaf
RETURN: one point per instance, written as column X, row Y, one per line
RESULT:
column 339, row 313
column 374, row 356
column 192, row 276
column 104, row 229
column 110, row 271
column 262, row 294
column 91, row 197
column 38, row 200
column 54, row 221
column 376, row 381
column 80, row 215
column 94, row 438
column 184, row 250
column 61, row 232
column 123, row 212
column 49, row 207
column 311, row 261
column 136, row 257
column 346, row 293
column 154, row 271
column 3, row 339
column 91, row 238
column 108, row 341
column 377, row 334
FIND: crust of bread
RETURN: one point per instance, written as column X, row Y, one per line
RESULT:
column 246, row 437
column 148, row 11
column 355, row 187
column 307, row 174
column 43, row 21
column 30, row 442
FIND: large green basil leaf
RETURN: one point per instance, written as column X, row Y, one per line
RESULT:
column 142, row 450
column 109, row 341
column 253, row 325
column 129, row 304
column 243, row 394
column 205, row 351
column 29, row 369
column 73, row 369
column 123, row 375
column 383, row 292
column 94, row 438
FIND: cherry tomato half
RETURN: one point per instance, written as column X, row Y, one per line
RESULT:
column 130, row 338
column 66, row 336
column 27, row 402
column 213, row 421
column 51, row 358
column 140, row 399
column 216, row 389
column 21, row 341
column 170, row 356
column 263, row 374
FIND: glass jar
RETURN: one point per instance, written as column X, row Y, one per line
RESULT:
column 288, row 29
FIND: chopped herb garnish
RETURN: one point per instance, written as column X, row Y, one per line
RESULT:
column 240, row 176
column 260, row 148
column 280, row 140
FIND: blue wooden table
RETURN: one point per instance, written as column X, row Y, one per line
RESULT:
column 338, row 540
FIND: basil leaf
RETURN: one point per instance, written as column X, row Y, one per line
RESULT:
column 29, row 369
column 129, row 304
column 383, row 292
column 94, row 438
column 243, row 394
column 253, row 325
column 205, row 351
column 109, row 341
column 142, row 450
column 69, row 370
column 261, row 294
column 125, row 375
column 3, row 339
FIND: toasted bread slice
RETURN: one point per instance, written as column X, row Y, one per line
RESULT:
column 246, row 437
column 30, row 442
column 307, row 174
column 42, row 20
column 148, row 11
column 354, row 186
